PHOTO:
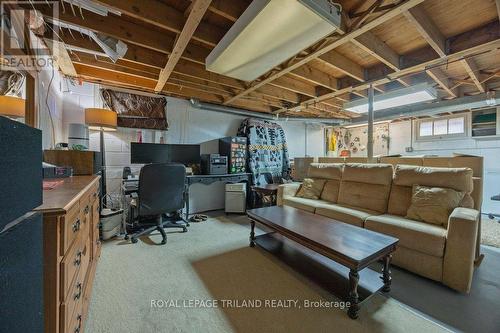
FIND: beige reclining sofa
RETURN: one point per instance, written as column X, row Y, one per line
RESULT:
column 377, row 197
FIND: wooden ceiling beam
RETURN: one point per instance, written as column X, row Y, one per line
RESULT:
column 103, row 76
column 427, row 29
column 230, row 10
column 165, row 17
column 404, row 6
column 378, row 49
column 129, row 33
column 315, row 77
column 442, row 80
column 480, row 40
column 343, row 64
column 197, row 11
column 473, row 72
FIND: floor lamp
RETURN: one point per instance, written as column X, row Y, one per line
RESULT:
column 102, row 120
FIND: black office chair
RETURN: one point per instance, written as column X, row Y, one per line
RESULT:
column 160, row 200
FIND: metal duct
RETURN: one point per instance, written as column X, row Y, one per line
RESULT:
column 224, row 109
column 458, row 104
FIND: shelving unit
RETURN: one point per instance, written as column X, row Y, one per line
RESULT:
column 485, row 123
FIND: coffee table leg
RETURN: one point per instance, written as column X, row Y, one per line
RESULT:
column 386, row 273
column 252, row 233
column 353, row 294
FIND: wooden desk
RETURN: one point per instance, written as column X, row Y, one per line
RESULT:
column 71, row 250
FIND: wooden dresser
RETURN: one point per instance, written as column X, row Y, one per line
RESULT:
column 71, row 250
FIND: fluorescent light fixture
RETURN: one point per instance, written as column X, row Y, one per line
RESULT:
column 410, row 95
column 270, row 32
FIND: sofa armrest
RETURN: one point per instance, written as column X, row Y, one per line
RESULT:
column 460, row 250
column 286, row 190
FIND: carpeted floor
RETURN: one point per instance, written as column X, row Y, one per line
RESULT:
column 490, row 232
column 213, row 261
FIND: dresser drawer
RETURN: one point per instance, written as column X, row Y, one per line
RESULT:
column 74, row 322
column 70, row 227
column 78, row 286
column 70, row 265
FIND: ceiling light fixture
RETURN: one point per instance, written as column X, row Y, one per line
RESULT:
column 410, row 95
column 270, row 32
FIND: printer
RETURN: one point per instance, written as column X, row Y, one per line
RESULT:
column 213, row 164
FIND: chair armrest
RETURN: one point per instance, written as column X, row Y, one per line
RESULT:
column 286, row 190
column 460, row 250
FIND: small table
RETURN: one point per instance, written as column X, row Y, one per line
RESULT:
column 270, row 190
column 303, row 239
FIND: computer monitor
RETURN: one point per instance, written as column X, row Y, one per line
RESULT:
column 185, row 154
column 144, row 153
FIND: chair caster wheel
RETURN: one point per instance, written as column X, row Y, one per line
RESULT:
column 133, row 240
column 491, row 217
column 126, row 237
column 185, row 230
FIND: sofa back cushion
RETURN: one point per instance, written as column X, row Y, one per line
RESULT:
column 405, row 176
column 325, row 170
column 366, row 186
column 332, row 173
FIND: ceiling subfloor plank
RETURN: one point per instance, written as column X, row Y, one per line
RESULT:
column 427, row 29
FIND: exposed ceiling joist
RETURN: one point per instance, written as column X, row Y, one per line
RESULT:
column 427, row 29
column 197, row 11
column 480, row 40
column 130, row 33
column 378, row 49
column 316, row 77
column 442, row 80
column 343, row 64
column 473, row 73
column 404, row 6
column 164, row 16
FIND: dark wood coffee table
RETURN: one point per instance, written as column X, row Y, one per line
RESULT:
column 304, row 239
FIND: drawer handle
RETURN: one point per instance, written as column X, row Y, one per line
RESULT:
column 79, row 293
column 78, row 259
column 86, row 211
column 79, row 318
column 76, row 225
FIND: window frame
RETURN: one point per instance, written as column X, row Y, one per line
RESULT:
column 436, row 137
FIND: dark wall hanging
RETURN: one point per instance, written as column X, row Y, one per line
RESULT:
column 137, row 111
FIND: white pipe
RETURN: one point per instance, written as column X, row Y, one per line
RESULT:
column 224, row 109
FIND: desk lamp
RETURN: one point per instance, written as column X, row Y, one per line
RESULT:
column 101, row 120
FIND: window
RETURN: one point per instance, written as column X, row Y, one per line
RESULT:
column 443, row 127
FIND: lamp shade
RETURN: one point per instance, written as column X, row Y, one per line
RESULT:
column 12, row 106
column 101, row 119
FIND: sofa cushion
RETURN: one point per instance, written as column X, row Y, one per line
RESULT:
column 433, row 204
column 366, row 186
column 405, row 176
column 458, row 179
column 311, row 188
column 302, row 203
column 343, row 213
column 419, row 236
column 325, row 170
column 331, row 191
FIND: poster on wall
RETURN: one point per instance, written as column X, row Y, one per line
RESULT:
column 352, row 141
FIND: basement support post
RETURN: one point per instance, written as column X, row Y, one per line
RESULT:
column 369, row 147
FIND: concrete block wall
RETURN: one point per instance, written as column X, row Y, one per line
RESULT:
column 187, row 125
